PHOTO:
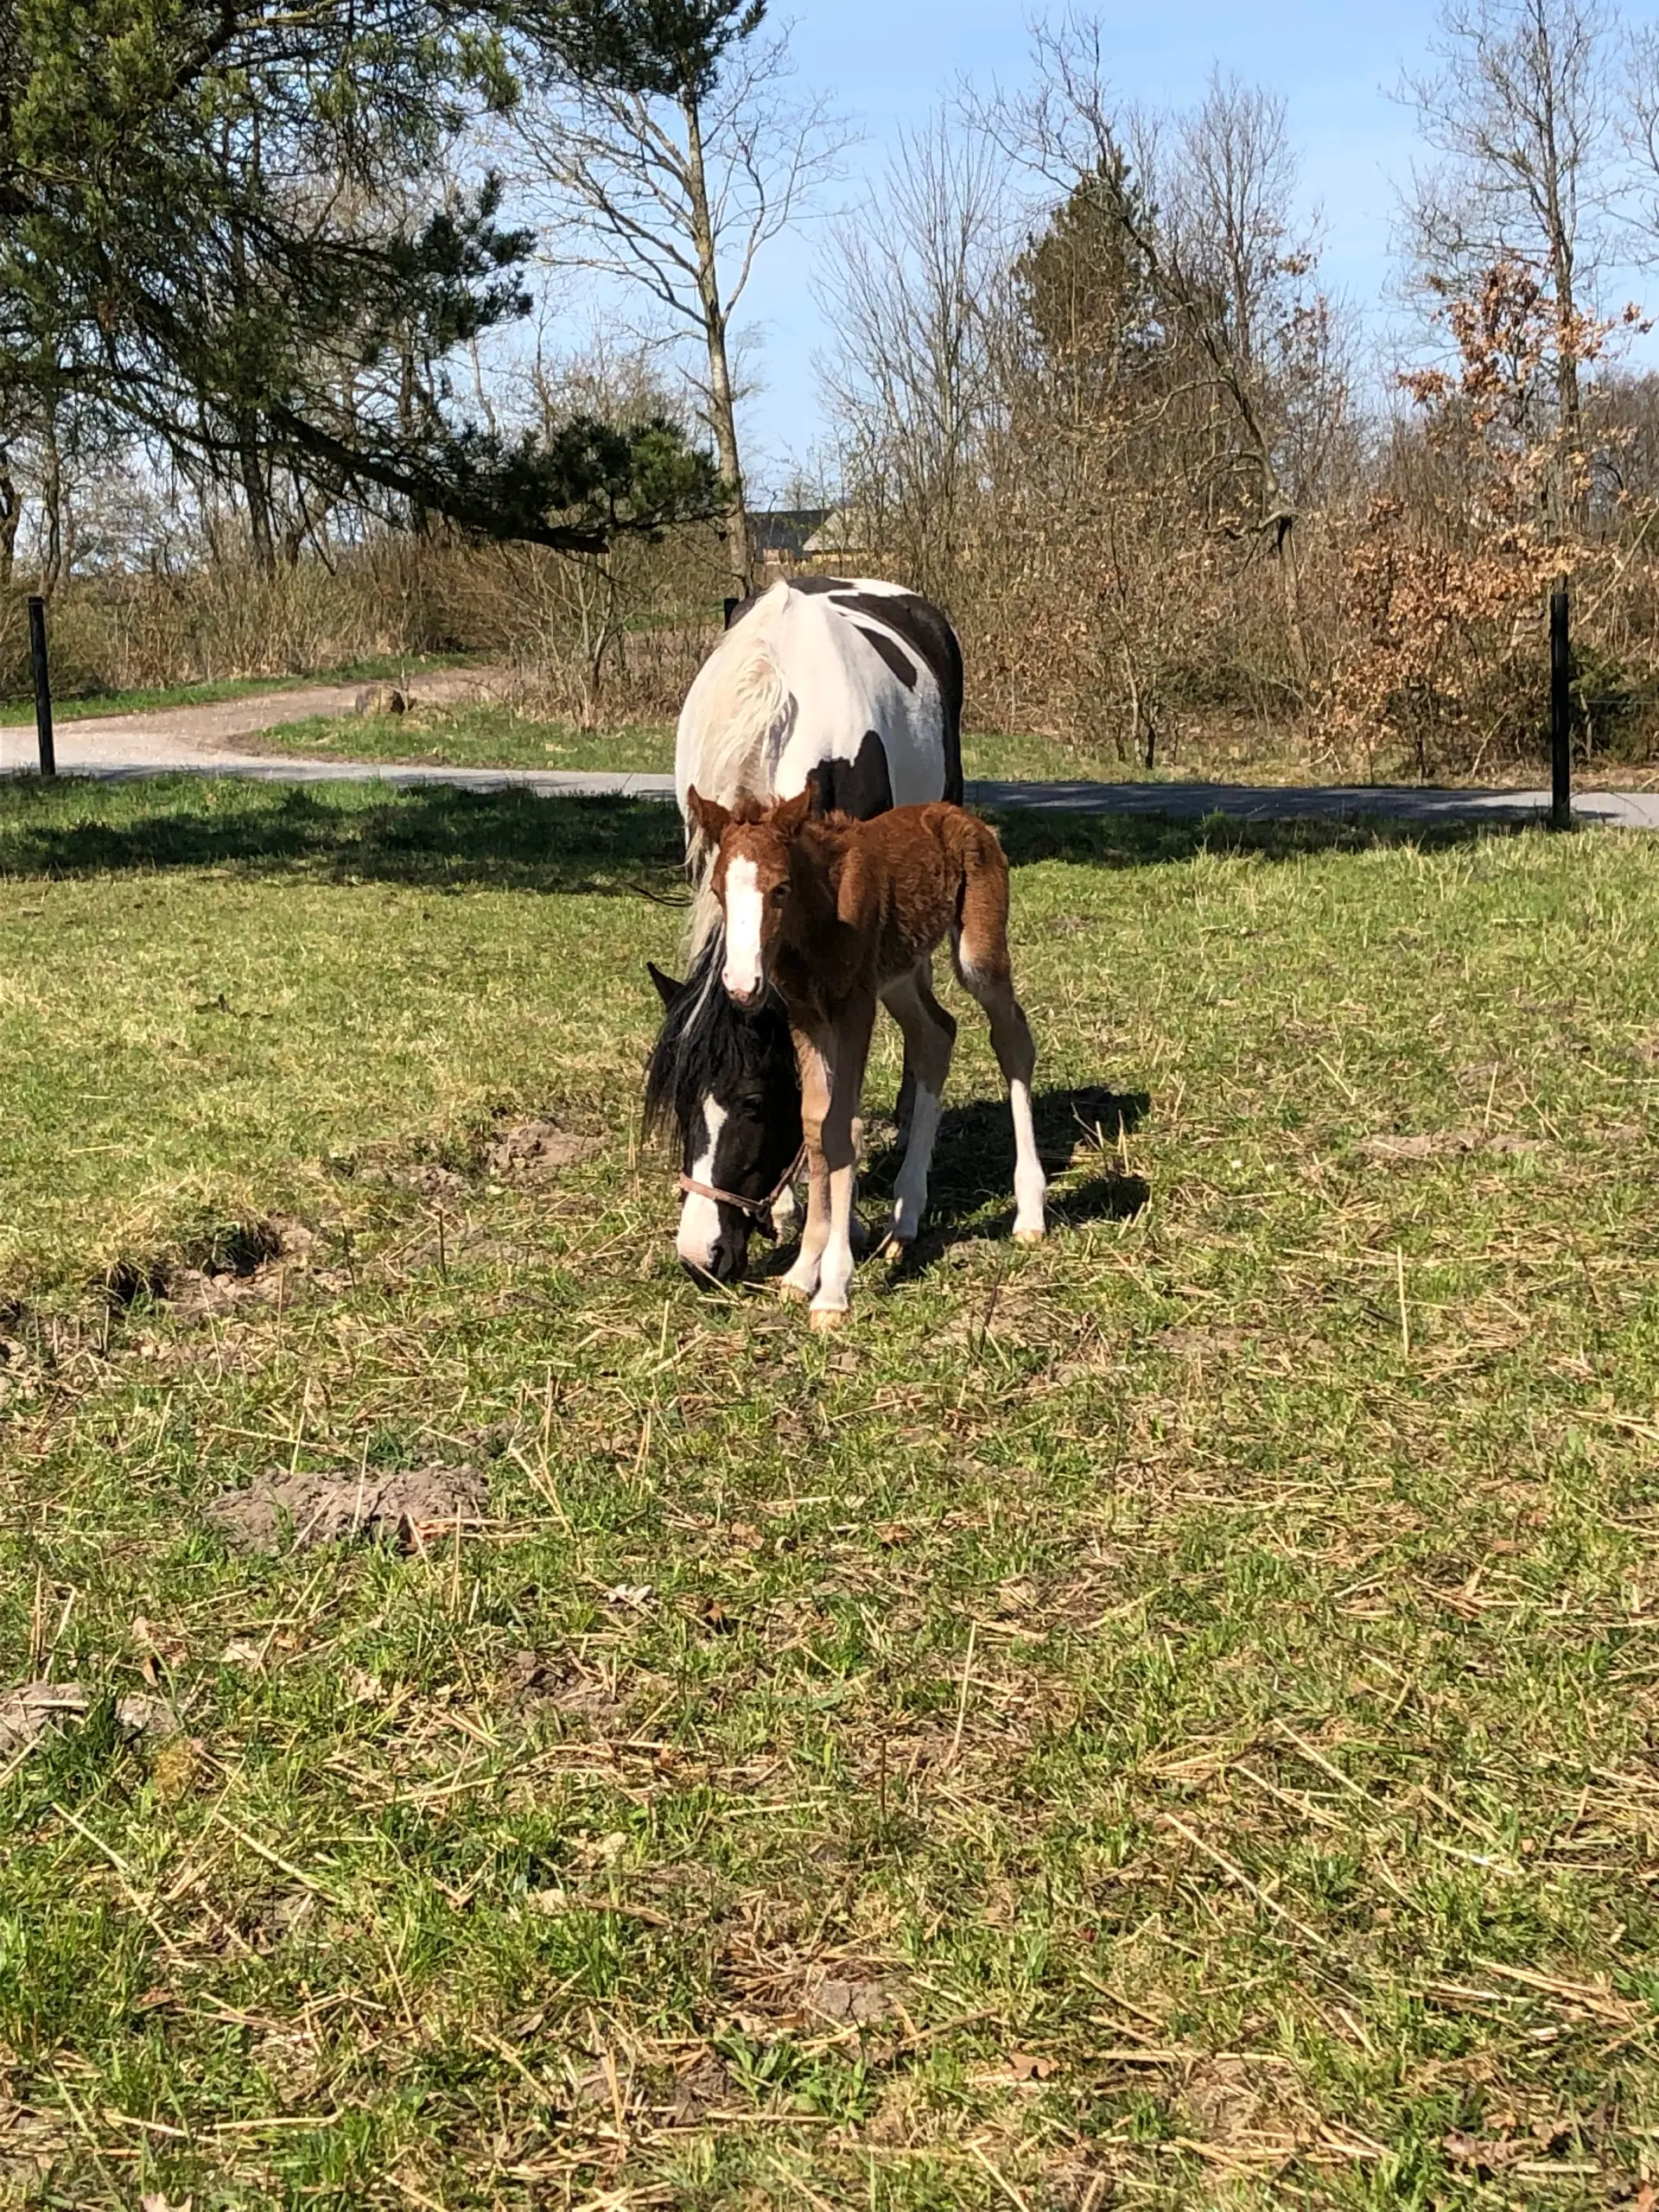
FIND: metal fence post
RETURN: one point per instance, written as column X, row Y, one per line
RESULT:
column 42, row 686
column 1561, row 711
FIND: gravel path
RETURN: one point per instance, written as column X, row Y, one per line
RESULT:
column 204, row 740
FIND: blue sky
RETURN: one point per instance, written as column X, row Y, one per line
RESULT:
column 887, row 62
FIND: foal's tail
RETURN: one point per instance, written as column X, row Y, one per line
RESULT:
column 980, row 940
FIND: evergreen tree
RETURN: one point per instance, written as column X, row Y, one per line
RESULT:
column 195, row 245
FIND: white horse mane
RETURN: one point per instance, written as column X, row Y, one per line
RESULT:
column 737, row 717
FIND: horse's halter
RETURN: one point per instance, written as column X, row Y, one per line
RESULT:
column 759, row 1210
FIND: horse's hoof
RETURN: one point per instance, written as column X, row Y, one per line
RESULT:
column 826, row 1317
column 791, row 1292
column 1028, row 1236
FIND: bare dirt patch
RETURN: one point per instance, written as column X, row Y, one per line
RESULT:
column 533, row 1148
column 1434, row 1144
column 410, row 1508
column 28, row 1710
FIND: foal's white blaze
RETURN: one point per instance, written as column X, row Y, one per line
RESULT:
column 741, row 973
column 700, row 1216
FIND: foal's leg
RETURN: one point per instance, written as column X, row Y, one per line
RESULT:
column 801, row 1279
column 905, row 1105
column 983, row 970
column 930, row 1039
column 838, row 1147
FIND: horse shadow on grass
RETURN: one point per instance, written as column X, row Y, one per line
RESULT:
column 973, row 1168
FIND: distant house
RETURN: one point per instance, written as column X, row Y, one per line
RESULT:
column 842, row 530
column 787, row 538
column 781, row 535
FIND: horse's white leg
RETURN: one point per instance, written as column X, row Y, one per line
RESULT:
column 838, row 1144
column 930, row 1039
column 785, row 1213
column 987, row 980
column 801, row 1279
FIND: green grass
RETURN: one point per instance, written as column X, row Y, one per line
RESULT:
column 1163, row 1720
column 475, row 736
column 503, row 737
column 84, row 707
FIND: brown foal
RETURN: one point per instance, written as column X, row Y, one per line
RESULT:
column 837, row 914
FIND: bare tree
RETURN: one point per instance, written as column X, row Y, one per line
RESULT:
column 675, row 192
column 1519, row 110
column 1639, row 129
column 911, row 290
column 1205, row 207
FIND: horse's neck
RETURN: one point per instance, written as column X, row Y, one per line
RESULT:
column 830, row 945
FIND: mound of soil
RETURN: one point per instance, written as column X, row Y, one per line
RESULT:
column 411, row 1508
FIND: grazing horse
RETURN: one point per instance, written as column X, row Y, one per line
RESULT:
column 849, row 691
column 833, row 914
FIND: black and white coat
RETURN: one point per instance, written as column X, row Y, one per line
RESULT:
column 852, row 684
column 855, row 687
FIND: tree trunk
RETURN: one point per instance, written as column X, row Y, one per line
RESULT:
column 254, row 491
column 52, row 504
column 1573, row 492
column 722, row 413
column 11, row 513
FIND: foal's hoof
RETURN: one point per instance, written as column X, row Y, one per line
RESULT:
column 826, row 1317
column 791, row 1292
column 1028, row 1236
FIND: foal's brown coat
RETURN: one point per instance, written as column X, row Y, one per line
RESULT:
column 836, row 913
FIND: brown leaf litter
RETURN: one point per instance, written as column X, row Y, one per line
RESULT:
column 412, row 1507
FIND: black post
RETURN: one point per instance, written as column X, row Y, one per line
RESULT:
column 1560, row 712
column 42, row 686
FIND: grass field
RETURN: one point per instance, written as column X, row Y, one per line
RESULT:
column 1166, row 1719
column 493, row 736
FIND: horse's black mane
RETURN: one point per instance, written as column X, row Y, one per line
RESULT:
column 707, row 1045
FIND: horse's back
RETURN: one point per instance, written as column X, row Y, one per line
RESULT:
column 851, row 680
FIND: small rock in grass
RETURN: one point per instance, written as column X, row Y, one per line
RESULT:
column 381, row 699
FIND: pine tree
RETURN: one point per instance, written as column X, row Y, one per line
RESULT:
column 197, row 248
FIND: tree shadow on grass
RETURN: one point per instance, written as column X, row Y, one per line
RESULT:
column 438, row 837
column 432, row 837
column 973, row 1168
column 1125, row 841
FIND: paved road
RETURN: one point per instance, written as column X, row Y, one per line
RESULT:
column 203, row 741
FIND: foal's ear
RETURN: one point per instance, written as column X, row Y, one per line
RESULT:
column 710, row 816
column 789, row 814
column 667, row 990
